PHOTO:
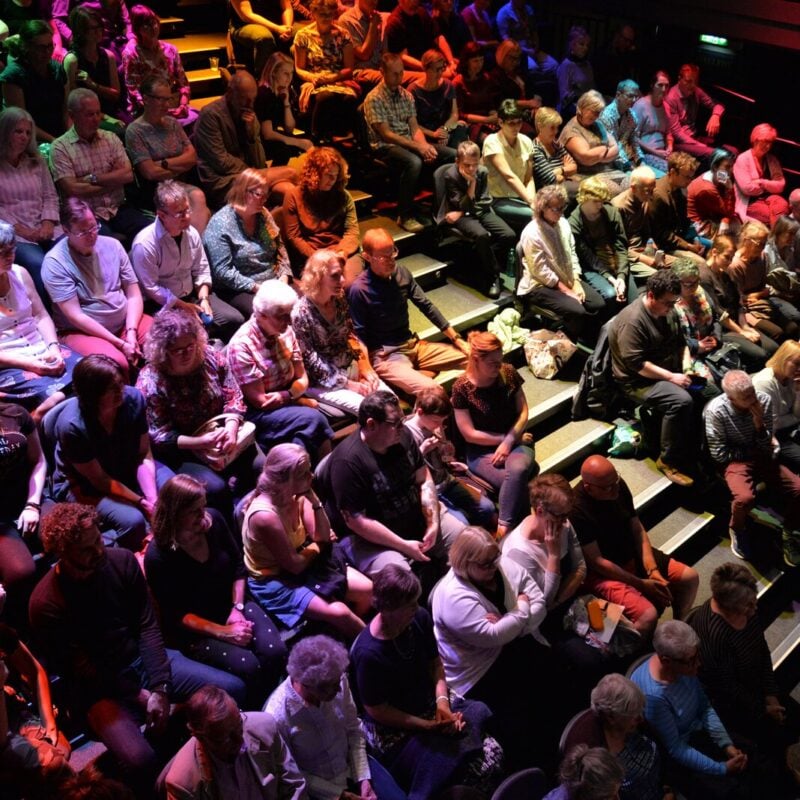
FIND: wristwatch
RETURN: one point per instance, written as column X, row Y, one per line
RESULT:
column 239, row 607
column 92, row 178
column 164, row 164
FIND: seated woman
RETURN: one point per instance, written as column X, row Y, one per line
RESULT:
column 590, row 144
column 243, row 243
column 480, row 22
column 507, row 155
column 186, row 383
column 424, row 738
column 194, row 568
column 276, row 108
column 652, row 124
column 491, row 414
column 317, row 717
column 296, row 570
column 36, row 82
column 117, row 30
column 145, row 55
column 614, row 724
column 320, row 213
column 323, row 60
column 710, row 201
column 509, row 81
column 759, row 180
column 701, row 758
column 97, row 304
column 551, row 161
column 588, row 774
column 102, row 454
column 89, row 65
column 160, row 150
column 338, row 366
column 575, row 73
column 779, row 254
column 437, row 108
column 34, row 370
column 265, row 359
column 602, row 245
column 28, row 198
column 764, row 310
column 551, row 273
column 475, row 94
column 486, row 619
column 779, row 379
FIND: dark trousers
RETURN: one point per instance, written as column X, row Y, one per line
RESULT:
column 492, row 238
column 408, row 166
column 754, row 356
column 581, row 320
column 128, row 221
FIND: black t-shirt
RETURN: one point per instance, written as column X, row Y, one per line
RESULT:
column 9, row 640
column 15, row 427
column 397, row 671
column 411, row 32
column 606, row 522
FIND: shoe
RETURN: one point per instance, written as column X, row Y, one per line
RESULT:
column 494, row 289
column 411, row 225
column 739, row 545
column 674, row 474
column 791, row 548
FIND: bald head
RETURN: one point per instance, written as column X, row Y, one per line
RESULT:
column 600, row 478
column 794, row 202
column 241, row 92
column 597, row 468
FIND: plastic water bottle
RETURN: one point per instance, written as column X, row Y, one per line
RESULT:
column 650, row 247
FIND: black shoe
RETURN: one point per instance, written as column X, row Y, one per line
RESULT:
column 494, row 288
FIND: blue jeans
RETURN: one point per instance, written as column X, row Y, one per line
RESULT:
column 465, row 508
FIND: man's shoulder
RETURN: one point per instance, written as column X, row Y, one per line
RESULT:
column 211, row 114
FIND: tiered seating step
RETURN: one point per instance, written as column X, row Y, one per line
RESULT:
column 420, row 265
column 545, row 398
column 198, row 43
column 199, row 103
column 783, row 636
column 678, row 528
column 566, row 445
column 395, row 231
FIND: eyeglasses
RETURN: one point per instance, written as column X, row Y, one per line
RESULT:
column 553, row 514
column 488, row 564
column 396, row 423
column 182, row 214
column 384, row 257
column 93, row 231
column 690, row 284
column 159, row 98
column 555, row 209
column 42, row 48
column 186, row 350
column 259, row 193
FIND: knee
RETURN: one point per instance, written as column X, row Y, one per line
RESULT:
column 744, row 499
column 519, row 465
column 647, row 619
column 130, row 526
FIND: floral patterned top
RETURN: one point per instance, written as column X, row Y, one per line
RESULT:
column 136, row 67
column 492, row 408
column 697, row 320
column 327, row 347
column 180, row 404
column 324, row 56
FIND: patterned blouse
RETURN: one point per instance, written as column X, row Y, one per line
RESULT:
column 135, row 68
column 324, row 56
column 696, row 317
column 252, row 357
column 180, row 404
column 492, row 408
column 327, row 347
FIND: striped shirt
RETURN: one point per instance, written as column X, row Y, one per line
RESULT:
column 731, row 434
column 395, row 107
column 27, row 194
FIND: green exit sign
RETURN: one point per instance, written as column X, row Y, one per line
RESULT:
column 719, row 41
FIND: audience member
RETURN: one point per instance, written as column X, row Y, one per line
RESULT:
column 739, row 430
column 295, row 569
column 171, row 265
column 507, row 155
column 508, row 76
column 621, row 58
column 655, row 137
column 91, row 165
column 28, row 198
column 14, row 13
column 476, row 94
column 682, row 103
column 36, row 82
column 244, row 244
column 467, row 207
column 710, row 198
column 491, row 414
column 339, row 372
column 588, row 774
column 93, row 616
column 320, row 213
column 447, row 22
column 260, row 26
column 551, row 161
column 759, row 181
column 779, row 255
column 701, row 759
column 794, row 213
column 378, row 301
column 366, row 27
column 317, row 717
column 231, row 753
column 194, row 568
column 265, row 359
column 117, row 30
column 623, row 566
column 410, row 32
column 575, row 73
column 621, row 122
column 480, row 23
column 550, row 271
column 91, row 784
column 424, row 738
column 228, row 141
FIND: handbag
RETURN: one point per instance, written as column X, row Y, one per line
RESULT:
column 245, row 438
column 724, row 359
column 326, row 575
column 546, row 352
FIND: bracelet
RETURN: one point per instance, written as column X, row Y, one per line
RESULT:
column 53, row 344
column 442, row 697
column 31, row 504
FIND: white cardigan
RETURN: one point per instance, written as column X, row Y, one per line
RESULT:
column 542, row 264
column 468, row 643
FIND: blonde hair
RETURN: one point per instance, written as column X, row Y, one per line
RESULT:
column 247, row 179
column 777, row 362
column 472, row 545
column 593, row 188
column 546, row 116
column 591, row 101
column 316, row 269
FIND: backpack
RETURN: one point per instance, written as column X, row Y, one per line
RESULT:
column 597, row 395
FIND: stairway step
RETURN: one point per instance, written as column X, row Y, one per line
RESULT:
column 359, row 195
column 199, row 43
column 644, row 480
column 395, row 231
column 420, row 265
column 678, row 528
column 783, row 636
column 204, row 81
column 199, row 103
column 171, row 27
column 569, row 443
column 545, row 398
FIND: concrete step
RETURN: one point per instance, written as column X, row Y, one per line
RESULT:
column 643, row 478
column 359, row 196
column 397, row 233
column 570, row 443
column 171, row 27
column 420, row 265
column 199, row 103
column 783, row 637
column 678, row 528
column 205, row 81
column 212, row 44
column 545, row 398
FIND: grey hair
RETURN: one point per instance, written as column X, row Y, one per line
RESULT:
column 591, row 100
column 733, row 586
column 590, row 773
column 167, row 192
column 642, row 173
column 316, row 661
column 546, row 195
column 77, row 97
column 685, row 268
column 9, row 119
column 675, row 640
column 736, row 382
column 272, row 296
column 616, row 695
column 7, row 236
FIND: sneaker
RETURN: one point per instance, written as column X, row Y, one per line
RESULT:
column 411, row 225
column 674, row 474
column 738, row 545
column 791, row 548
column 494, row 289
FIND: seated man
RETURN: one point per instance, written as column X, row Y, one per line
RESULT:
column 682, row 104
column 230, row 754
column 377, row 488
column 621, row 122
column 410, row 31
column 623, row 566
column 467, row 206
column 391, row 117
column 91, row 164
column 262, row 26
column 93, row 617
column 171, row 264
column 646, row 357
column 667, row 212
column 378, row 300
column 740, row 435
column 228, row 140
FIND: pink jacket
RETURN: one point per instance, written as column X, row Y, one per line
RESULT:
column 750, row 183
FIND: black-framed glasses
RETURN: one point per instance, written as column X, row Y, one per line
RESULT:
column 385, row 257
column 256, row 192
column 93, row 231
column 159, row 98
column 182, row 214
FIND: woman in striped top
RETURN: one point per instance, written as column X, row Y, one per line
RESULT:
column 551, row 161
